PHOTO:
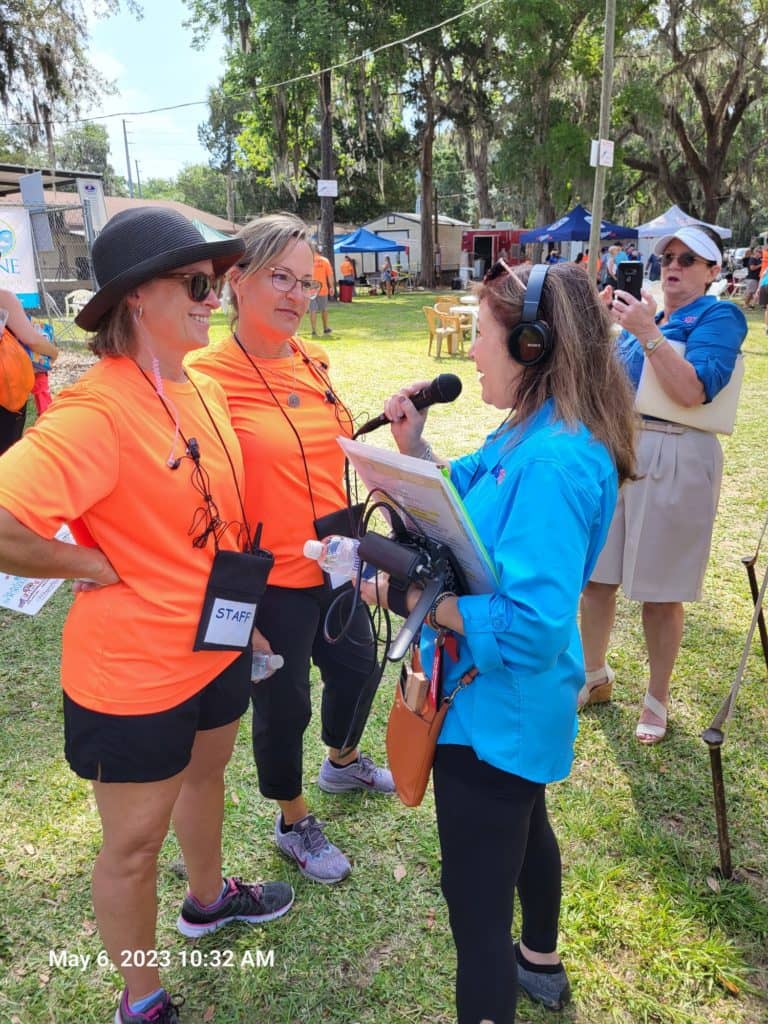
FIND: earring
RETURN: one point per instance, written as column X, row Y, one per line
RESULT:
column 138, row 313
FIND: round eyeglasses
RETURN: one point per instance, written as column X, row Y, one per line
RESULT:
column 285, row 281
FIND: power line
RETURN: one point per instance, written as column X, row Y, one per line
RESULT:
column 365, row 55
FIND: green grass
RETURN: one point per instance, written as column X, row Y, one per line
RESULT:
column 648, row 932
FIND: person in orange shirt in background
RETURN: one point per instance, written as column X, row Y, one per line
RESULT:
column 347, row 271
column 12, row 423
column 140, row 458
column 322, row 272
column 287, row 416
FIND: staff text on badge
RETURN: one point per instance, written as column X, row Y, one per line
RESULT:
column 231, row 622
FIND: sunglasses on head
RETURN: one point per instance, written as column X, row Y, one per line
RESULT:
column 499, row 267
column 199, row 285
column 684, row 259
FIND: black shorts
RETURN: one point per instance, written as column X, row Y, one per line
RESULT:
column 762, row 296
column 148, row 748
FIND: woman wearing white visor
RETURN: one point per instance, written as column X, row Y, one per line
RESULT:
column 659, row 541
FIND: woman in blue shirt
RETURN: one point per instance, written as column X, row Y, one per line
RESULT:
column 540, row 491
column 659, row 542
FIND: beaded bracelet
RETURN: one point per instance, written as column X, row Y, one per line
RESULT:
column 431, row 620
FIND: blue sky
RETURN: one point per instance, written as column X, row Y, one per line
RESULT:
column 153, row 64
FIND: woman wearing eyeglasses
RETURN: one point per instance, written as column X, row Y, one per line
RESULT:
column 140, row 458
column 287, row 416
column 540, row 492
column 660, row 537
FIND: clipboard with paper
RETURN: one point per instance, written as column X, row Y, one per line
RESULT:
column 426, row 493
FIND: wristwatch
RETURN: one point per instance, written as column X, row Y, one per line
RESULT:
column 650, row 346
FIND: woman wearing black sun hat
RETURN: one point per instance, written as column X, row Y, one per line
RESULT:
column 140, row 458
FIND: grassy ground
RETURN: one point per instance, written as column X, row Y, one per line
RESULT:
column 649, row 933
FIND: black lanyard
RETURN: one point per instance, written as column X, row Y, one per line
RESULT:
column 207, row 518
column 334, row 401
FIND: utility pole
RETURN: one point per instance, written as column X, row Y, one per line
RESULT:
column 605, row 122
column 327, row 202
column 138, row 179
column 128, row 161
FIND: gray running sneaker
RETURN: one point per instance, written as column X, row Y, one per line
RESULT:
column 361, row 774
column 551, row 990
column 315, row 857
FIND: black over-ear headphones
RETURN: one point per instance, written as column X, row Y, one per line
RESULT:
column 530, row 341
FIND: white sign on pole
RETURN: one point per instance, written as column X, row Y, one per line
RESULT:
column 17, row 263
column 33, row 194
column 91, row 194
column 601, row 153
column 327, row 187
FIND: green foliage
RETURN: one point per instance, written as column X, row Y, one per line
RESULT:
column 44, row 67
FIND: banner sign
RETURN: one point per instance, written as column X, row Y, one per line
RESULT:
column 17, row 263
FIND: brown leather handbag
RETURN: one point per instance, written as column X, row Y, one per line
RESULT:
column 17, row 378
column 412, row 731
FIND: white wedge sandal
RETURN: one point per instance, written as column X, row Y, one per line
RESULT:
column 650, row 734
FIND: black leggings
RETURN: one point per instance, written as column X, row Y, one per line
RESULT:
column 495, row 836
column 11, row 427
column 292, row 621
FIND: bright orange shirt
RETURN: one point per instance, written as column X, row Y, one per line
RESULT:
column 100, row 453
column 347, row 268
column 322, row 271
column 277, row 491
column 764, row 264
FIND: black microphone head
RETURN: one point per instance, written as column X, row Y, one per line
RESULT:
column 446, row 388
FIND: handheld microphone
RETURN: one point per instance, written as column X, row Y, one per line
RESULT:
column 445, row 388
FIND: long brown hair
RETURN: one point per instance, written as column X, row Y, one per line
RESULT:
column 582, row 375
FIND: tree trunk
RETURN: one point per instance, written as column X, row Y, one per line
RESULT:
column 545, row 210
column 325, row 231
column 427, row 190
column 476, row 158
column 427, row 277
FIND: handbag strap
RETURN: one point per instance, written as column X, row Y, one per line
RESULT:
column 436, row 678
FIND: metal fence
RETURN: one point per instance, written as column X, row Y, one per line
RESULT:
column 62, row 256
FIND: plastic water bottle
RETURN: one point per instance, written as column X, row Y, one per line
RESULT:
column 335, row 555
column 263, row 665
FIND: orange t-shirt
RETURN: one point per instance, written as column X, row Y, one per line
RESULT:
column 99, row 454
column 322, row 272
column 347, row 268
column 277, row 492
column 764, row 264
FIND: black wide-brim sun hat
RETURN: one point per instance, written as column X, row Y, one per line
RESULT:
column 137, row 245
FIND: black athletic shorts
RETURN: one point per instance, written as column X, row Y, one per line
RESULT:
column 148, row 748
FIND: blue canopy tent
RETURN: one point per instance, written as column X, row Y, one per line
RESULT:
column 575, row 227
column 363, row 240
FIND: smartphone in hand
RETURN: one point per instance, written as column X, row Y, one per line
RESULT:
column 629, row 275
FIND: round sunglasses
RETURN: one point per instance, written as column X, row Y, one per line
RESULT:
column 199, row 285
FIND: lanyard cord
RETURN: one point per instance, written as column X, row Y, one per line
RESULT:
column 208, row 516
column 287, row 418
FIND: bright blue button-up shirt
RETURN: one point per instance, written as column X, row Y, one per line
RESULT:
column 541, row 497
column 712, row 331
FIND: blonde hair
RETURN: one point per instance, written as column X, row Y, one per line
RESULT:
column 115, row 335
column 265, row 238
column 582, row 375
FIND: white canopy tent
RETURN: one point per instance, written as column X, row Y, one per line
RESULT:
column 671, row 220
